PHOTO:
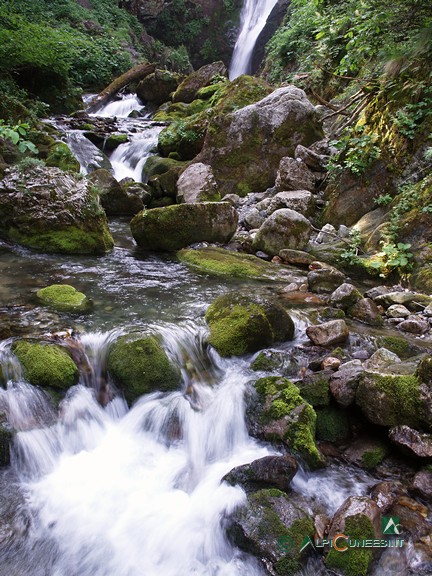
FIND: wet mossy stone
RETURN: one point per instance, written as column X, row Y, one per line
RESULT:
column 156, row 165
column 238, row 265
column 60, row 156
column 174, row 227
column 65, row 298
column 332, row 424
column 46, row 365
column 140, row 365
column 240, row 324
column 286, row 417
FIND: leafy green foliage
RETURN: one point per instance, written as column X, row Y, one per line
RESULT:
column 16, row 134
column 394, row 257
column 357, row 151
column 383, row 200
column 351, row 254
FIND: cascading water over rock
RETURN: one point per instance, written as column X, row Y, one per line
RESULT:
column 253, row 18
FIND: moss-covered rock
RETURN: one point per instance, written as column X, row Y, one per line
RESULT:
column 286, row 417
column 398, row 345
column 60, row 156
column 140, row 365
column 53, row 211
column 64, row 298
column 178, row 226
column 315, row 388
column 157, row 87
column 272, row 526
column 46, row 365
column 239, row 324
column 238, row 265
column 187, row 90
column 332, row 424
column 156, row 165
column 185, row 137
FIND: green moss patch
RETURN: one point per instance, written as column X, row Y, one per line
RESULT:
column 46, row 365
column 60, row 156
column 141, row 366
column 332, row 424
column 64, row 298
column 354, row 561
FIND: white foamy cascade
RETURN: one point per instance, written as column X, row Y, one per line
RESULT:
column 145, row 489
column 120, row 108
column 128, row 159
column 253, row 18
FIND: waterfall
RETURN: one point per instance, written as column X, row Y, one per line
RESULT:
column 253, row 18
column 120, row 108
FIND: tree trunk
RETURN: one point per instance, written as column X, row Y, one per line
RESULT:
column 136, row 73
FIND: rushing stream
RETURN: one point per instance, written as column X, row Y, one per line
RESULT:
column 107, row 490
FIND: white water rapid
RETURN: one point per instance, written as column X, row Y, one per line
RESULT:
column 136, row 492
column 253, row 18
column 120, row 108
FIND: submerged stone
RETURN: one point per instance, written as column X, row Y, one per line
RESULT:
column 64, row 298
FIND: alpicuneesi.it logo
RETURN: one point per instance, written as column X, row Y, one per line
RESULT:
column 342, row 542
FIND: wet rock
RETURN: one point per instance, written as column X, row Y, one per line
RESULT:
column 52, row 211
column 64, row 298
column 294, row 175
column 253, row 218
column 314, row 388
column 140, row 365
column 366, row 452
column 299, row 200
column 344, row 382
column 234, row 141
column 345, row 296
column 397, row 311
column 422, row 484
column 240, row 323
column 46, row 365
column 331, row 363
column 412, row 442
column 405, row 297
column 188, row 89
column 381, row 359
column 386, row 493
column 366, row 311
column 175, row 227
column 414, row 325
column 197, row 184
column 296, row 257
column 280, row 362
column 116, row 199
column 272, row 526
column 324, row 278
column 412, row 517
column 268, row 472
column 360, row 518
column 283, row 229
column 328, row 333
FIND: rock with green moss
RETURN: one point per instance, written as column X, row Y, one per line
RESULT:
column 157, row 87
column 189, row 87
column 60, row 156
column 272, row 525
column 398, row 345
column 391, row 399
column 332, row 424
column 174, row 227
column 235, row 140
column 184, row 137
column 46, row 365
column 64, row 298
column 284, row 228
column 139, row 365
column 282, row 415
column 279, row 362
column 315, row 388
column 359, row 518
column 52, row 211
column 240, row 323
column 236, row 264
column 156, row 165
column 367, row 452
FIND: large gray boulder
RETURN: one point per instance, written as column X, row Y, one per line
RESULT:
column 294, row 175
column 276, row 124
column 299, row 200
column 52, row 211
column 197, row 184
column 284, row 228
column 175, row 227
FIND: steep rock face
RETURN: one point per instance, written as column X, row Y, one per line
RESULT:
column 52, row 211
column 272, row 24
column 244, row 148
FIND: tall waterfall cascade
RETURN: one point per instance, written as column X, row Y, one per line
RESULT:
column 253, row 18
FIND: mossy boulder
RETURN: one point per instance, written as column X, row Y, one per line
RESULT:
column 60, row 156
column 241, row 323
column 184, row 137
column 46, row 365
column 272, row 526
column 140, row 365
column 236, row 264
column 64, row 298
column 235, row 140
column 178, row 226
column 315, row 387
column 157, row 87
column 188, row 88
column 117, row 199
column 283, row 415
column 157, row 165
column 359, row 518
column 332, row 424
column 52, row 211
